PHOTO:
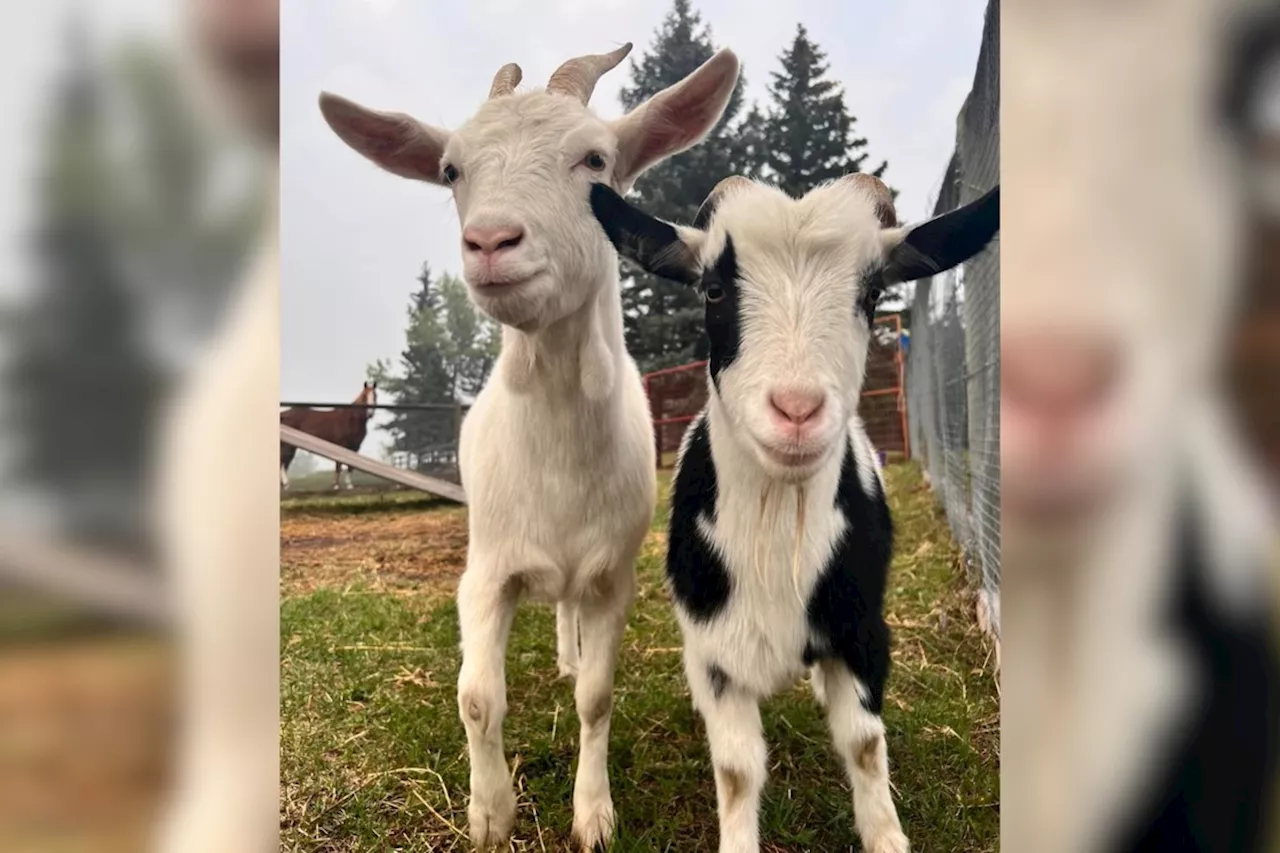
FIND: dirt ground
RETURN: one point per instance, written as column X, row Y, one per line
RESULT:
column 419, row 552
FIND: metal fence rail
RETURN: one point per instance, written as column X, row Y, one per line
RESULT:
column 953, row 363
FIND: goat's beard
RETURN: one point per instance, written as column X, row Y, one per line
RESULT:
column 515, row 310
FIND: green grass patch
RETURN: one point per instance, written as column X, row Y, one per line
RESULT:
column 373, row 755
column 345, row 503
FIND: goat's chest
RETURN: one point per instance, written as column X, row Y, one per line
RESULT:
column 760, row 631
column 568, row 479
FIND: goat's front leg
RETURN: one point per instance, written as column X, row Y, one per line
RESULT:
column 858, row 734
column 738, row 752
column 602, row 616
column 486, row 607
column 337, row 474
column 567, row 638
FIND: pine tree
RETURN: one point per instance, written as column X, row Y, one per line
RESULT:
column 664, row 319
column 449, row 352
column 809, row 135
column 82, row 390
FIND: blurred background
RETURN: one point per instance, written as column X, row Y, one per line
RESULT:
column 1140, row 422
column 128, row 205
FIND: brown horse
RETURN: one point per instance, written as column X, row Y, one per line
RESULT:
column 345, row 427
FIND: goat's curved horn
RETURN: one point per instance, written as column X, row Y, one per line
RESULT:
column 506, row 80
column 709, row 204
column 876, row 188
column 577, row 77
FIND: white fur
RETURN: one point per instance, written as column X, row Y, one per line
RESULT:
column 221, row 541
column 557, row 453
column 799, row 264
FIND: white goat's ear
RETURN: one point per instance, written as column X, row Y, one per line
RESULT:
column 660, row 247
column 675, row 119
column 397, row 142
column 943, row 242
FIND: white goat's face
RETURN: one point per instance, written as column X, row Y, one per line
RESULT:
column 520, row 171
column 790, row 288
column 521, row 168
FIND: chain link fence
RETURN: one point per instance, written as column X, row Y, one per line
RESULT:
column 953, row 362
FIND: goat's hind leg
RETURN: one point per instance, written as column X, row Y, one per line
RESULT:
column 486, row 607
column 858, row 733
column 567, row 638
column 602, row 615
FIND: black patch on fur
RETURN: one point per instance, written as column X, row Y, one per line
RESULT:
column 1215, row 790
column 945, row 241
column 871, row 288
column 845, row 610
column 651, row 243
column 699, row 581
column 724, row 324
column 719, row 680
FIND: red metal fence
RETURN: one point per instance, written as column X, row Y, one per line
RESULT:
column 677, row 394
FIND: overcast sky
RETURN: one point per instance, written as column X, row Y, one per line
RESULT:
column 32, row 59
column 354, row 237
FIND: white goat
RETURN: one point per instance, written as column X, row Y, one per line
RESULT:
column 557, row 453
column 780, row 535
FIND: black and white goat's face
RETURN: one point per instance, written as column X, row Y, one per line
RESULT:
column 520, row 170
column 789, row 287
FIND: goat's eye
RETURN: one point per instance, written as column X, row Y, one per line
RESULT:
column 594, row 161
column 450, row 173
column 714, row 293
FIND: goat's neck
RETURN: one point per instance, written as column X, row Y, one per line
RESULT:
column 742, row 481
column 578, row 355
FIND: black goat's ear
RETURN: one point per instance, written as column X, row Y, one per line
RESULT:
column 943, row 242
column 653, row 244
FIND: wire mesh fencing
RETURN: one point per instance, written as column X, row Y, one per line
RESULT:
column 415, row 437
column 953, row 361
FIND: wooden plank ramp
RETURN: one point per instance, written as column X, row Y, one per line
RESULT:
column 106, row 584
column 336, row 453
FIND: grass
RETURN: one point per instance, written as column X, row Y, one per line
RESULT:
column 321, row 480
column 373, row 756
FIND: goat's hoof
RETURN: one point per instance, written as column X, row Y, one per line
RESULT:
column 491, row 819
column 892, row 841
column 593, row 827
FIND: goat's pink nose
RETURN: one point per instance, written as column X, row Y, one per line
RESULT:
column 489, row 241
column 1058, row 376
column 798, row 405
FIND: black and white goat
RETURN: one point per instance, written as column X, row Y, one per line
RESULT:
column 780, row 535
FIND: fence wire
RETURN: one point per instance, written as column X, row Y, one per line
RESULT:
column 953, row 361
